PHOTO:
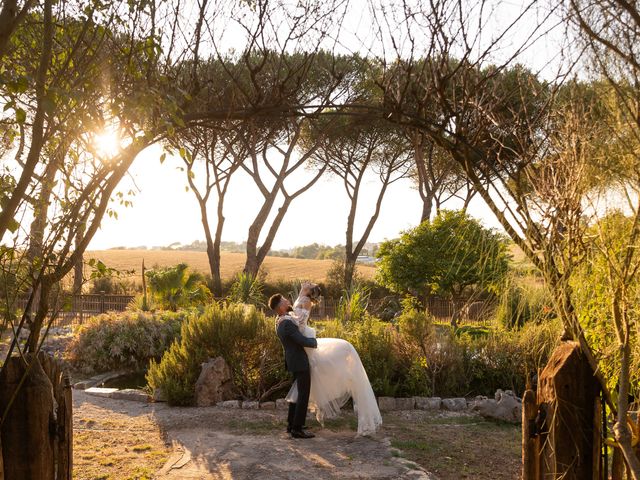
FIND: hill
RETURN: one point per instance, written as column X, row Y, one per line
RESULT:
column 231, row 263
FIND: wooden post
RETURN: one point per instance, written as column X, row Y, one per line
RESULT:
column 65, row 430
column 617, row 465
column 1, row 467
column 567, row 393
column 529, row 457
column 27, row 440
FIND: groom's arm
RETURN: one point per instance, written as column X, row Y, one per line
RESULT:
column 291, row 330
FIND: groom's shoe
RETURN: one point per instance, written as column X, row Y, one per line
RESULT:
column 289, row 428
column 299, row 433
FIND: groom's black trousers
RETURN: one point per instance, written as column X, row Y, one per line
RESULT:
column 298, row 410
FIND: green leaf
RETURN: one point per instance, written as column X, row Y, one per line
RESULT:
column 13, row 225
column 21, row 115
column 163, row 157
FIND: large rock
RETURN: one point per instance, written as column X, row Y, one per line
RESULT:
column 268, row 405
column 405, row 403
column 214, row 385
column 505, row 406
column 454, row 404
column 387, row 404
column 428, row 403
column 250, row 405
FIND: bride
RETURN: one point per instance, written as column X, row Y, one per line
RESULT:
column 337, row 373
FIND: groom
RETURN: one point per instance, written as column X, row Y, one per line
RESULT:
column 296, row 361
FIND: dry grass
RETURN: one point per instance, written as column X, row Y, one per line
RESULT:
column 454, row 447
column 231, row 263
column 110, row 445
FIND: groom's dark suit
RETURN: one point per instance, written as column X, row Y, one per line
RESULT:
column 297, row 362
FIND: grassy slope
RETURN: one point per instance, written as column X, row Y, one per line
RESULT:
column 231, row 263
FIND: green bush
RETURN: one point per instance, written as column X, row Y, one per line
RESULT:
column 242, row 335
column 248, row 289
column 352, row 307
column 521, row 304
column 123, row 340
column 177, row 286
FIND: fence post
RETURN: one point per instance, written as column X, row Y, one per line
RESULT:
column 102, row 301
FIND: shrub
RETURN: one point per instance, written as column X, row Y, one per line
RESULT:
column 123, row 340
column 247, row 289
column 521, row 304
column 177, row 286
column 242, row 335
column 352, row 307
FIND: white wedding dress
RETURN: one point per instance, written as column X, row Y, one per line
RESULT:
column 337, row 374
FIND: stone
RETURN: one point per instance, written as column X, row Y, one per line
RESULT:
column 282, row 404
column 82, row 385
column 268, row 405
column 214, row 384
column 454, row 404
column 131, row 394
column 230, row 404
column 505, row 406
column 405, row 403
column 250, row 405
column 101, row 392
column 387, row 404
column 427, row 403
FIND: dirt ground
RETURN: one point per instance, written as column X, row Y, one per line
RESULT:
column 117, row 439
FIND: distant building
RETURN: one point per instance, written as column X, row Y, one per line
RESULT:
column 367, row 260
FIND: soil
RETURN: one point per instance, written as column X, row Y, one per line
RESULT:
column 117, row 439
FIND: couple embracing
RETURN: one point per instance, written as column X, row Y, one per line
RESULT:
column 327, row 371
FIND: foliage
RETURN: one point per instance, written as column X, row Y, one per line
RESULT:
column 520, row 304
column 353, row 304
column 450, row 255
column 112, row 341
column 175, row 287
column 242, row 335
column 247, row 288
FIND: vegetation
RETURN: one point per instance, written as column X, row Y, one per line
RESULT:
column 175, row 287
column 242, row 335
column 127, row 340
column 453, row 255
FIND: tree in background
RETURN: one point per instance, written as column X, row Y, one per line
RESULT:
column 354, row 149
column 453, row 256
column 209, row 168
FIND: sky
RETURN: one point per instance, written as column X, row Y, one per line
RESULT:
column 163, row 211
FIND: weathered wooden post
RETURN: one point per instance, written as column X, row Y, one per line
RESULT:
column 567, row 395
column 529, row 447
column 27, row 439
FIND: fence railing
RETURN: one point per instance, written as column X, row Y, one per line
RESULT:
column 75, row 309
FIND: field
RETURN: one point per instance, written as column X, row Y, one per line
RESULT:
column 231, row 263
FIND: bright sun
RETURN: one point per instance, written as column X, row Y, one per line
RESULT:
column 107, row 143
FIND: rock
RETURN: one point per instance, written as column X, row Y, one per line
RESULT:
column 230, row 404
column 214, row 384
column 250, row 405
column 268, row 405
column 101, row 392
column 405, row 403
column 82, row 385
column 159, row 395
column 454, row 404
column 387, row 404
column 505, row 406
column 427, row 403
column 282, row 404
column 131, row 394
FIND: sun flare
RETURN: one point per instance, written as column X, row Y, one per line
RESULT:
column 107, row 143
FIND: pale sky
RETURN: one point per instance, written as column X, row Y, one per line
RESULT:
column 163, row 212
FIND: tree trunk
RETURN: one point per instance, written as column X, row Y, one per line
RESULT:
column 78, row 268
column 27, row 439
column 213, row 246
column 41, row 314
column 349, row 270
